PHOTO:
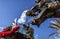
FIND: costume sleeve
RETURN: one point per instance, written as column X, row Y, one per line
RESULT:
column 3, row 34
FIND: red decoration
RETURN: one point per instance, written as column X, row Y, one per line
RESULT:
column 6, row 33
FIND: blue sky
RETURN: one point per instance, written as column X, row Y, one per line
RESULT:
column 11, row 9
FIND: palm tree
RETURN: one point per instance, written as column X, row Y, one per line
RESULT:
column 55, row 25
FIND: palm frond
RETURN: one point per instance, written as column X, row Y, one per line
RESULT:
column 52, row 34
column 55, row 25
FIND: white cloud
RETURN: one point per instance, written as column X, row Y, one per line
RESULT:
column 22, row 18
column 36, row 36
column 1, row 27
